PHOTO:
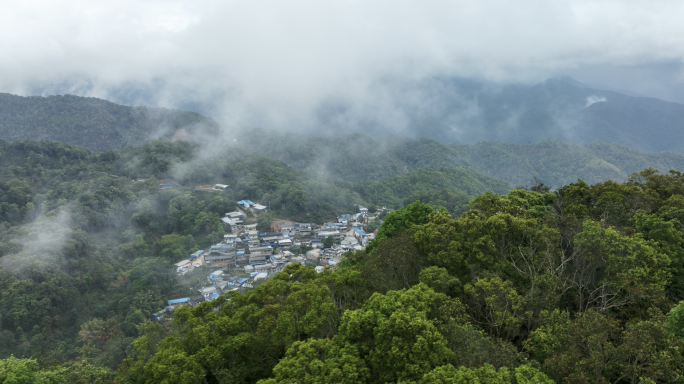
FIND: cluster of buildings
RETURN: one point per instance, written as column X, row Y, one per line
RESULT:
column 254, row 256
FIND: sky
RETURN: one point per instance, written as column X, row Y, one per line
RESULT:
column 282, row 64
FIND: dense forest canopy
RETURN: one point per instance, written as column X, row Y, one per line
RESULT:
column 472, row 280
column 88, row 237
column 577, row 285
column 94, row 123
column 361, row 158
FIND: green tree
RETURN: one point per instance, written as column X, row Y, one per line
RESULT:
column 447, row 374
column 400, row 220
column 255, row 329
column 176, row 247
column 320, row 361
column 616, row 270
column 439, row 279
column 329, row 241
column 264, row 222
column 28, row 371
column 496, row 305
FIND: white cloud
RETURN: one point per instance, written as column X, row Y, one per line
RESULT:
column 593, row 99
column 273, row 63
column 41, row 242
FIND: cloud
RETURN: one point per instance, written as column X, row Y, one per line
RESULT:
column 286, row 64
column 593, row 99
column 41, row 242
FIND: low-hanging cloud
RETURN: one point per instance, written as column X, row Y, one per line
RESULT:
column 593, row 99
column 41, row 242
column 291, row 65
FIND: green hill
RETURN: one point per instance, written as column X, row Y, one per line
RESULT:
column 93, row 123
column 360, row 158
column 101, row 125
column 88, row 239
column 462, row 181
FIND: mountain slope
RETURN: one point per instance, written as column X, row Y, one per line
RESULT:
column 360, row 158
column 93, row 123
column 455, row 110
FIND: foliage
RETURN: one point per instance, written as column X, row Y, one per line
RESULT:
column 568, row 284
column 400, row 220
column 448, row 187
column 94, row 123
column 364, row 159
column 264, row 222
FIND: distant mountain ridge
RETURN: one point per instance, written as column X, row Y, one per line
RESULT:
column 360, row 158
column 93, row 123
column 449, row 110
column 462, row 111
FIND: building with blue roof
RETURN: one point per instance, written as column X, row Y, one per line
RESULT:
column 179, row 301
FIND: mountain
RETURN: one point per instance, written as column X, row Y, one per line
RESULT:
column 457, row 110
column 94, row 123
column 447, row 109
column 361, row 158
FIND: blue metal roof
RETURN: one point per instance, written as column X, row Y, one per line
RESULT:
column 215, row 295
column 259, row 263
column 177, row 301
column 242, row 280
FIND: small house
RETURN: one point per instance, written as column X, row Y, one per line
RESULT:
column 215, row 275
column 259, row 207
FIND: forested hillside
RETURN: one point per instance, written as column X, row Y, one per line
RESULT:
column 93, row 123
column 464, row 110
column 448, row 187
column 87, row 240
column 579, row 285
column 362, row 158
column 101, row 125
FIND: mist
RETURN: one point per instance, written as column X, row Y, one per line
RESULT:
column 42, row 242
column 329, row 68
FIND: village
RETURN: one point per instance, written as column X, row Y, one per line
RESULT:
column 246, row 258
